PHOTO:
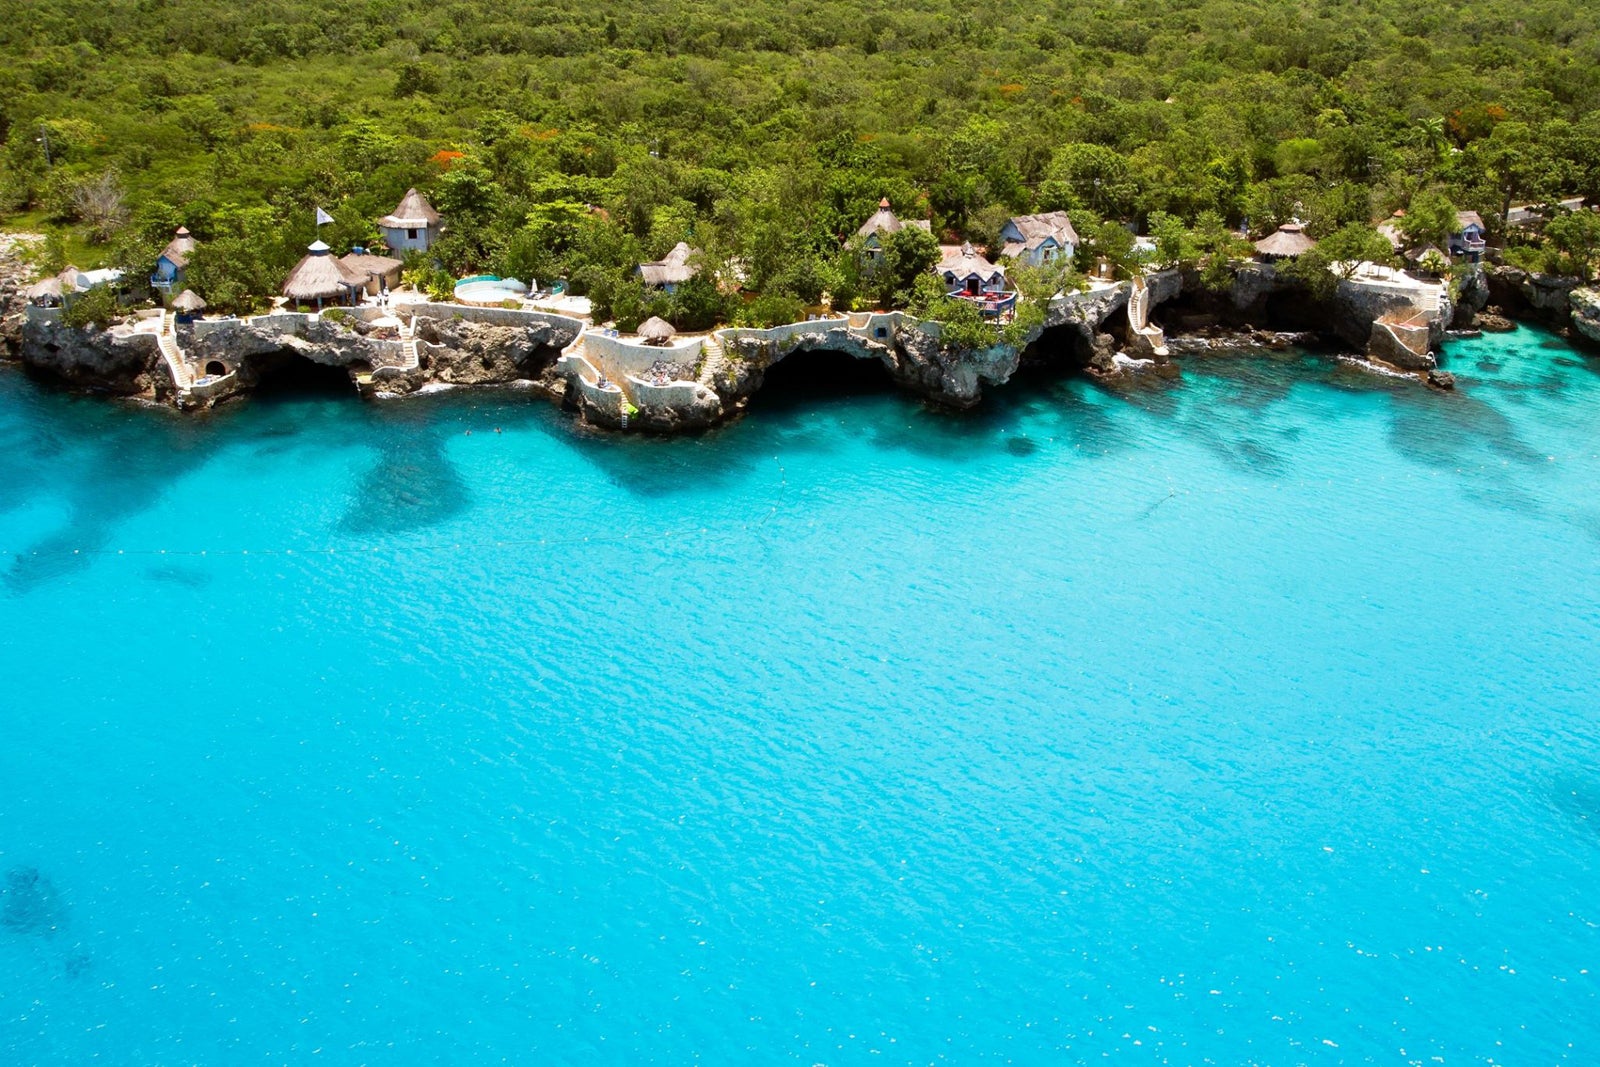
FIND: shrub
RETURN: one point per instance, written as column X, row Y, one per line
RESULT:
column 774, row 309
column 97, row 307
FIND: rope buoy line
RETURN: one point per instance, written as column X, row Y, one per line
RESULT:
column 1170, row 493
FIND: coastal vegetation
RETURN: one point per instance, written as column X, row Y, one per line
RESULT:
column 576, row 142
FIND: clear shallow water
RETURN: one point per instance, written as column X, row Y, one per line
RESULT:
column 1246, row 719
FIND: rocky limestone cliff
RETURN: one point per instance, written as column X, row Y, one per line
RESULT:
column 1540, row 297
column 455, row 351
column 914, row 357
column 110, row 361
column 14, row 275
column 913, row 354
column 1585, row 305
column 477, row 353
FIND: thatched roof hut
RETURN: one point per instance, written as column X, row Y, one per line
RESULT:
column 188, row 302
column 1289, row 241
column 46, row 291
column 370, row 265
column 413, row 212
column 672, row 270
column 656, row 331
column 319, row 277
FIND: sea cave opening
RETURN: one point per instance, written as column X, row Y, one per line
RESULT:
column 1060, row 351
column 821, row 374
column 290, row 375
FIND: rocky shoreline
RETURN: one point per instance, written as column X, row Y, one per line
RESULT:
column 710, row 380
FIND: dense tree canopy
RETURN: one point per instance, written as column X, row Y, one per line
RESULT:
column 573, row 140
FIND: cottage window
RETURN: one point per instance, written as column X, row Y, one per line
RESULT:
column 411, row 235
column 883, row 331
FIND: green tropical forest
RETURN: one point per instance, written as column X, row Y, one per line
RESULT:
column 572, row 140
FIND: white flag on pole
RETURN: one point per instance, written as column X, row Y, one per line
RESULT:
column 323, row 217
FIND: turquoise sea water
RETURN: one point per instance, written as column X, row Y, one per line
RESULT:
column 1245, row 719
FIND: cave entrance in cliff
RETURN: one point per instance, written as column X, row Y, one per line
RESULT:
column 216, row 368
column 1058, row 351
column 292, row 375
column 821, row 374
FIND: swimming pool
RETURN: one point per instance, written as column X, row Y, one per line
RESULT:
column 488, row 290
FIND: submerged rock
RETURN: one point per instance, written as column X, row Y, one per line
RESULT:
column 32, row 905
column 1494, row 321
column 1441, row 379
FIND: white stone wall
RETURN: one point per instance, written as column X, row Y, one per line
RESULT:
column 787, row 332
column 203, row 327
column 492, row 316
column 674, row 394
column 623, row 357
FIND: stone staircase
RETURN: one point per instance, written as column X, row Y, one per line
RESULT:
column 177, row 365
column 714, row 360
column 408, row 341
column 1139, row 320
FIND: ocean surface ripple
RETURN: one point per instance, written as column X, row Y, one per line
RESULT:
column 1250, row 718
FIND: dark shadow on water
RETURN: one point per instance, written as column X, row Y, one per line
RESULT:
column 1022, row 446
column 32, row 905
column 102, row 459
column 182, row 577
column 413, row 485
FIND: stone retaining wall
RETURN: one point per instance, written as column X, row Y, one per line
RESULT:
column 625, row 358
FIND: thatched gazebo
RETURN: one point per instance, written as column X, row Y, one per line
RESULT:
column 188, row 303
column 1289, row 241
column 320, row 277
column 656, row 331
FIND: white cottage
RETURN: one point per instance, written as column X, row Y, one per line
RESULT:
column 1039, row 239
column 967, row 273
column 882, row 223
column 413, row 225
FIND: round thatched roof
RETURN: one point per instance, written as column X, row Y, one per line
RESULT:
column 48, row 289
column 656, row 330
column 413, row 212
column 1290, row 240
column 188, row 300
column 320, row 277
